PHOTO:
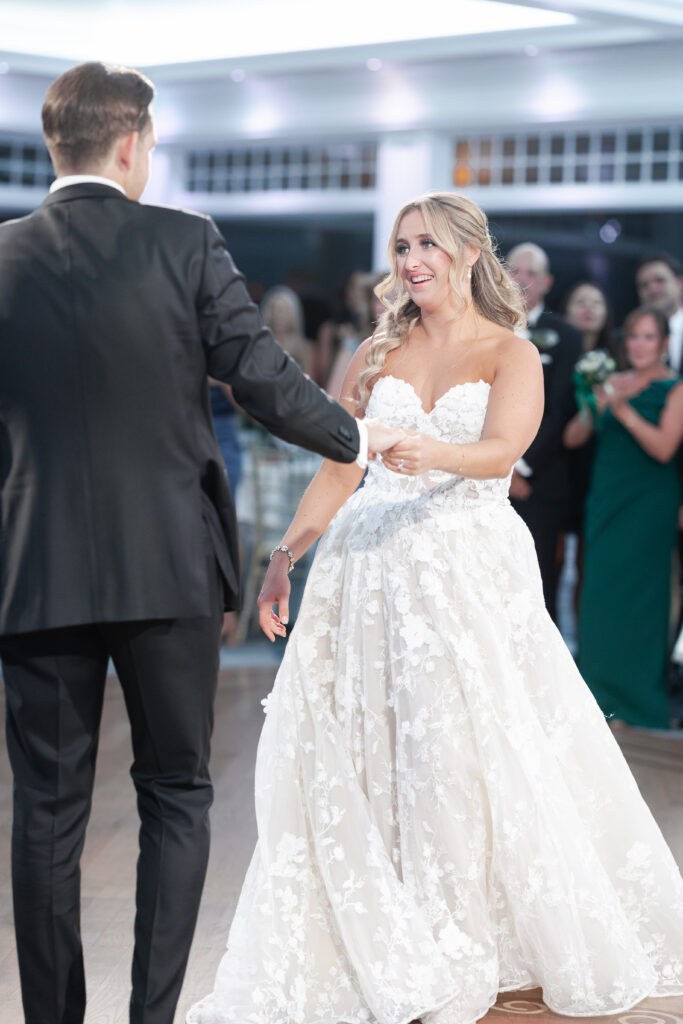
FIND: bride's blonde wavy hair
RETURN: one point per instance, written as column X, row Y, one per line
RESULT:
column 453, row 221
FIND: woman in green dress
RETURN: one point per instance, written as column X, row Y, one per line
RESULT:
column 630, row 530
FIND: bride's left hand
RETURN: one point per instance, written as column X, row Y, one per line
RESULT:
column 413, row 454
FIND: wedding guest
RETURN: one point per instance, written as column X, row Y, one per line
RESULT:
column 540, row 486
column 586, row 308
column 282, row 311
column 630, row 531
column 370, row 310
column 223, row 414
column 344, row 326
column 659, row 280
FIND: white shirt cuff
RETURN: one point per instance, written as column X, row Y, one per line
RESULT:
column 523, row 468
column 362, row 457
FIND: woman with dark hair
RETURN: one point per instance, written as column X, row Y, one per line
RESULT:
column 586, row 307
column 343, row 329
column 442, row 811
column 368, row 312
column 630, row 531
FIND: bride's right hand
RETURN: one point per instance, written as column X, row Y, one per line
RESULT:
column 275, row 591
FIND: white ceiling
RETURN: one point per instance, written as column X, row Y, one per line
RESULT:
column 181, row 39
column 605, row 61
column 172, row 32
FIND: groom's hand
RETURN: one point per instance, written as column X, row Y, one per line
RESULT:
column 275, row 590
column 381, row 436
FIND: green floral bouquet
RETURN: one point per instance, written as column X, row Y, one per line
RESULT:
column 590, row 372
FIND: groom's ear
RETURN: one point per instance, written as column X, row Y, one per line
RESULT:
column 125, row 149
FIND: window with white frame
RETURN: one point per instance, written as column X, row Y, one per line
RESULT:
column 638, row 155
column 266, row 168
column 24, row 163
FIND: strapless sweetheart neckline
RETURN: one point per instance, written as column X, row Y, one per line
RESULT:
column 454, row 387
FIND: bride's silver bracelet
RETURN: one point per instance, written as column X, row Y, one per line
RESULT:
column 290, row 556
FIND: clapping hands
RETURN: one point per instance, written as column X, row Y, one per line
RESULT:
column 618, row 387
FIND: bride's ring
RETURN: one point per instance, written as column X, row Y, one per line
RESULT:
column 399, row 465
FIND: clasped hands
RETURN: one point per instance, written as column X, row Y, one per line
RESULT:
column 406, row 452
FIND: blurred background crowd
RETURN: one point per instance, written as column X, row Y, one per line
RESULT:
column 562, row 120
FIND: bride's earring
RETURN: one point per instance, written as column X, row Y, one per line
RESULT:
column 469, row 273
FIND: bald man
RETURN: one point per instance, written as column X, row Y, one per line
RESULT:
column 540, row 481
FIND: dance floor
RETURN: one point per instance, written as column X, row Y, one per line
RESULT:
column 109, row 859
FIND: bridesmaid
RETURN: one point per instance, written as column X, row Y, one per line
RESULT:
column 630, row 529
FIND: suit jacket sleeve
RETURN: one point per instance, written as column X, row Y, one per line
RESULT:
column 266, row 382
column 560, row 404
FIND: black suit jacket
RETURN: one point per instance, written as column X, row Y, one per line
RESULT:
column 112, row 315
column 560, row 346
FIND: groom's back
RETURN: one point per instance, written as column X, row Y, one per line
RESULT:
column 105, row 433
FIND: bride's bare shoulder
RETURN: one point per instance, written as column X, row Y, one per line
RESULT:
column 508, row 346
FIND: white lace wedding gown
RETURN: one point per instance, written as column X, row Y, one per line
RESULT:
column 442, row 811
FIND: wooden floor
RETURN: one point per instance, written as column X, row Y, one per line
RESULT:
column 109, row 859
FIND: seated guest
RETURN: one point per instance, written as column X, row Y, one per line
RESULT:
column 630, row 528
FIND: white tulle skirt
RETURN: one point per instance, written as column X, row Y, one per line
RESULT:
column 443, row 813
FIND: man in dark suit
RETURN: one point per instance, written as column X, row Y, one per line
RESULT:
column 659, row 280
column 117, row 534
column 540, row 481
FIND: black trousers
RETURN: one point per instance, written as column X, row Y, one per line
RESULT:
column 54, row 683
column 545, row 520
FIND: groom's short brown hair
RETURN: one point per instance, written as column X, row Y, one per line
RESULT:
column 90, row 106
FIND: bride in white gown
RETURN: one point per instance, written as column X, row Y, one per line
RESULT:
column 443, row 813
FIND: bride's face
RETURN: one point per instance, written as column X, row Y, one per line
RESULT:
column 422, row 265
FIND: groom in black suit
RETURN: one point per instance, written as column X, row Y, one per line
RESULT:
column 117, row 528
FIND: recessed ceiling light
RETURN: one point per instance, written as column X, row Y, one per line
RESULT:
column 373, row 64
